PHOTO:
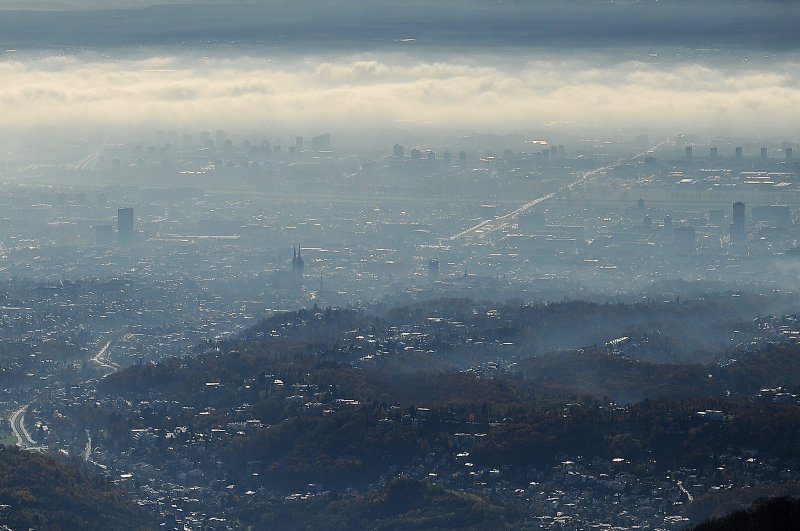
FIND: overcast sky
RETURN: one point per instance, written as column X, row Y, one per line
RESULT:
column 360, row 24
column 729, row 67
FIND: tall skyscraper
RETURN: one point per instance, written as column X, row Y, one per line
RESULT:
column 688, row 152
column 125, row 226
column 738, row 213
column 738, row 153
column 737, row 227
column 788, row 153
column 713, row 152
column 219, row 138
column 321, row 143
column 764, row 154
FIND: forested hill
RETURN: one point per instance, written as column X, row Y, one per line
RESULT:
column 711, row 346
column 478, row 398
column 38, row 492
column 698, row 330
column 769, row 514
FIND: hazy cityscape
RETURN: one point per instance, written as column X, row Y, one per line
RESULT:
column 419, row 266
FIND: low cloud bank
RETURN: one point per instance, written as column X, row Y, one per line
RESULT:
column 249, row 93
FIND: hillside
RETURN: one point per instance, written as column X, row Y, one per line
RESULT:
column 38, row 492
column 324, row 408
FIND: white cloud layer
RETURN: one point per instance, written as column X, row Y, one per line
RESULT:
column 60, row 93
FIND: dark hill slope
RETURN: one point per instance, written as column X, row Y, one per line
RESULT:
column 38, row 492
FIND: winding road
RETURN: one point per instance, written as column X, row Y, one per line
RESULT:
column 17, row 418
column 103, row 359
column 683, row 489
column 17, row 421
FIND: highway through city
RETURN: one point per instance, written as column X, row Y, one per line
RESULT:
column 488, row 226
column 17, row 418
column 17, row 421
column 689, row 496
column 103, row 358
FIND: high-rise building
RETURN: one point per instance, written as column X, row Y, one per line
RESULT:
column 713, row 152
column 738, row 213
column 764, row 154
column 738, row 153
column 125, row 226
column 299, row 144
column 321, row 143
column 788, row 153
column 688, row 152
column 398, row 151
column 737, row 227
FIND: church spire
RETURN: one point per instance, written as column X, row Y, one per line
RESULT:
column 297, row 260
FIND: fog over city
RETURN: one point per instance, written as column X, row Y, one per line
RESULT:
column 652, row 92
column 409, row 265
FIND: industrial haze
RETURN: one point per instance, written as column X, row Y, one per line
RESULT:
column 540, row 258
